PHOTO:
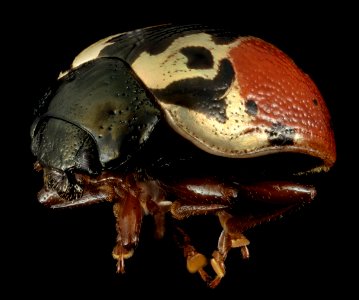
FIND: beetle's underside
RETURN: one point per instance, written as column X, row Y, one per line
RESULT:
column 240, row 195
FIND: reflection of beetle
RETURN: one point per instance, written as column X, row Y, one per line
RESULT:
column 187, row 120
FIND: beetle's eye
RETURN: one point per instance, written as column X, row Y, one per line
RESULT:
column 63, row 183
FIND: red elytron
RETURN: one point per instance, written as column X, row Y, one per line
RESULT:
column 284, row 94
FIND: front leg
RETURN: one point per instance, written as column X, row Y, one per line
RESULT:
column 122, row 190
column 128, row 213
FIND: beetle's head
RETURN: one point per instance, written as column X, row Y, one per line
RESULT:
column 63, row 183
column 94, row 119
column 61, row 150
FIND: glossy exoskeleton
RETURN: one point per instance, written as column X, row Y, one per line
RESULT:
column 183, row 121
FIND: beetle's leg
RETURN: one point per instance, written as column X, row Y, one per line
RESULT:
column 279, row 197
column 137, row 198
column 128, row 213
column 197, row 197
column 195, row 261
column 153, row 202
column 232, row 237
column 131, row 198
column 122, row 191
column 181, row 210
column 228, row 239
column 159, row 217
column 204, row 197
column 200, row 197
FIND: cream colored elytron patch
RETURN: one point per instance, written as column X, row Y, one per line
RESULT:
column 90, row 52
column 94, row 50
column 236, row 137
column 160, row 70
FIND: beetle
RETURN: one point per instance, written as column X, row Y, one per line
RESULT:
column 183, row 121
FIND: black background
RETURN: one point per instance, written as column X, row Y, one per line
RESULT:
column 50, row 252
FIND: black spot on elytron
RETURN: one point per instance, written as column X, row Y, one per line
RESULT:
column 251, row 107
column 198, row 57
column 281, row 135
column 199, row 94
column 155, row 40
column 222, row 36
column 315, row 102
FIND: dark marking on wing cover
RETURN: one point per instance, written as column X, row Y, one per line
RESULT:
column 155, row 40
column 198, row 57
column 280, row 135
column 203, row 95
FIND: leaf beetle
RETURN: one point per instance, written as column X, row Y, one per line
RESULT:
column 183, row 121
